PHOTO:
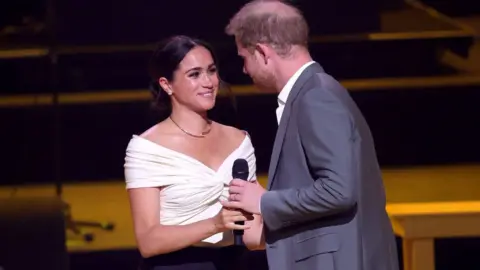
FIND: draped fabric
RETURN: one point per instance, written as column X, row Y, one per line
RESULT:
column 191, row 191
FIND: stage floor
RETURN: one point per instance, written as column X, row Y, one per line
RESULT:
column 107, row 201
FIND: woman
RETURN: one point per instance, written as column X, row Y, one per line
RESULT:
column 178, row 170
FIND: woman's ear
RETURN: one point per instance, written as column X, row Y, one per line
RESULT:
column 163, row 82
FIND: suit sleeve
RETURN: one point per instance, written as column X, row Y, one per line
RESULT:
column 325, row 130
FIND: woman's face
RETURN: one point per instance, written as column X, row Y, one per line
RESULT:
column 195, row 82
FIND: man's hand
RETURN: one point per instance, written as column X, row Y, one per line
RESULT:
column 244, row 195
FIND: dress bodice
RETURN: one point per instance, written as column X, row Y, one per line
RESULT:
column 191, row 191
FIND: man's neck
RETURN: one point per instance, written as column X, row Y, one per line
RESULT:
column 288, row 66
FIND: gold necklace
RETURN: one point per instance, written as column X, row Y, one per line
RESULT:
column 204, row 133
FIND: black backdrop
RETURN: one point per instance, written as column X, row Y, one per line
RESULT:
column 108, row 21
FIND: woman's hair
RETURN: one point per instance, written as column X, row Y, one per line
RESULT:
column 165, row 60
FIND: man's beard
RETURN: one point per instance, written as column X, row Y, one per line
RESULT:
column 265, row 83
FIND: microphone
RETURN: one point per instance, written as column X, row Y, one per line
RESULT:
column 239, row 171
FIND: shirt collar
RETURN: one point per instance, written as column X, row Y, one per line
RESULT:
column 283, row 95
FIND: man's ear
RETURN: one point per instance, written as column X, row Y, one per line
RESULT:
column 263, row 51
column 163, row 82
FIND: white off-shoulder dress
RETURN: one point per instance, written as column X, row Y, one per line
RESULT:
column 191, row 191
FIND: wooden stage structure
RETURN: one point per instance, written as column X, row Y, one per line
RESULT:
column 424, row 203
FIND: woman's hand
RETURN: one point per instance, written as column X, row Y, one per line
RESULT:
column 226, row 218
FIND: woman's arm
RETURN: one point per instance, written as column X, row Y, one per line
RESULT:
column 154, row 238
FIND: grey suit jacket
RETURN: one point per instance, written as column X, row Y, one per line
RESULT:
column 325, row 208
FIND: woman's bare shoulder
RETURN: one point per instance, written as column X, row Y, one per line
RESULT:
column 234, row 133
column 159, row 133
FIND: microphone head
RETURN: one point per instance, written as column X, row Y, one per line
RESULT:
column 240, row 169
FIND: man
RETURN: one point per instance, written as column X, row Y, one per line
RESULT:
column 325, row 204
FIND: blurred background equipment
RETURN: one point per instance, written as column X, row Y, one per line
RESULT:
column 32, row 234
column 74, row 225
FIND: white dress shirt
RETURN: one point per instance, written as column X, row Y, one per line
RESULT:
column 282, row 97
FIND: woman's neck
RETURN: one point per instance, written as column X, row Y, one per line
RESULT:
column 191, row 121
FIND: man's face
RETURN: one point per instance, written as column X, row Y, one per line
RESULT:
column 257, row 67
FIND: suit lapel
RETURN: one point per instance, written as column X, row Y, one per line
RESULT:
column 282, row 128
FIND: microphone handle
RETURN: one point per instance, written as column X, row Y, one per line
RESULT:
column 238, row 234
column 238, row 240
